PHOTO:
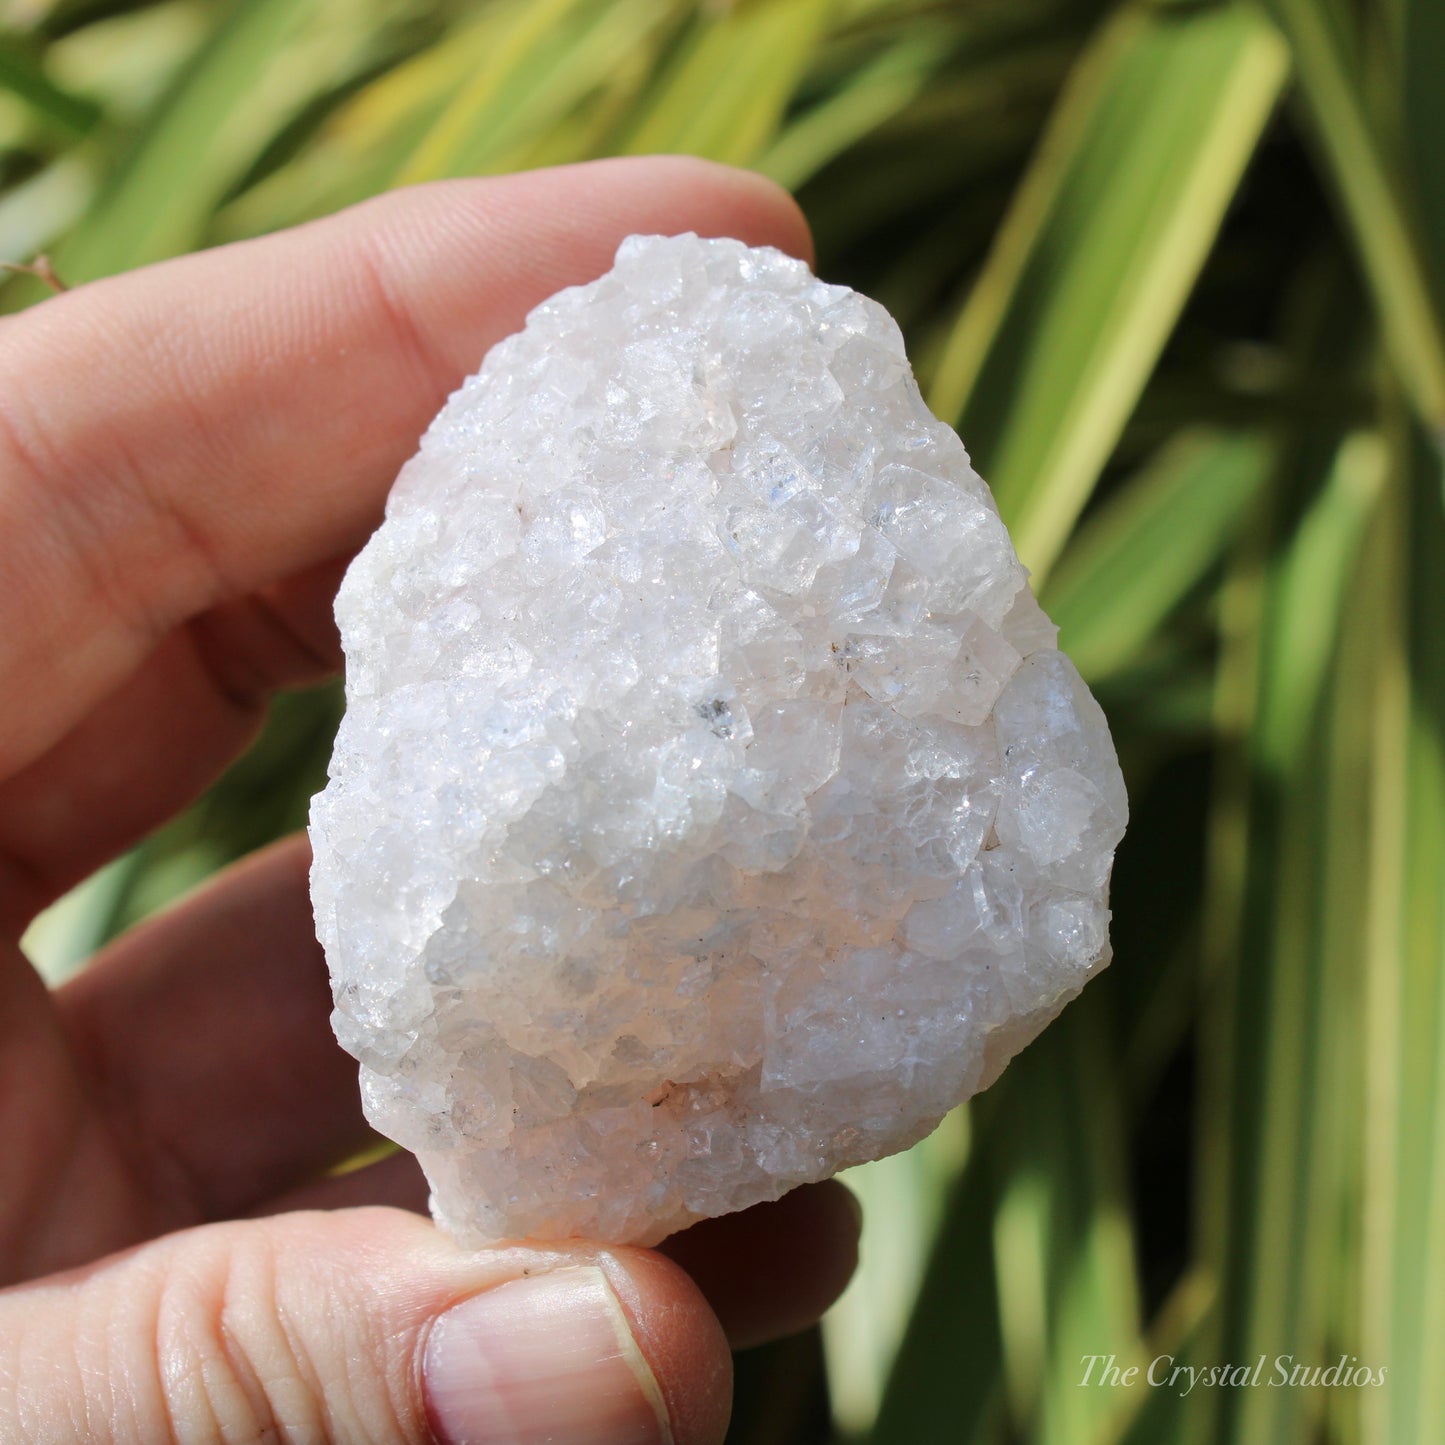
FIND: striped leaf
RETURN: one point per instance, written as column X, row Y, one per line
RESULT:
column 1105, row 239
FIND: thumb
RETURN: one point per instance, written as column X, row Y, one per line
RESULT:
column 362, row 1325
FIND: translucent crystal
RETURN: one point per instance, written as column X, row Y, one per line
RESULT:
column 712, row 809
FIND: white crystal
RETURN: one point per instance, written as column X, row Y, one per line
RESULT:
column 712, row 809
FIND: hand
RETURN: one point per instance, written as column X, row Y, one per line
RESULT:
column 188, row 456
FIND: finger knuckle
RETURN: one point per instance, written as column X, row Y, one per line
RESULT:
column 229, row 1333
column 255, row 1343
column 227, row 1369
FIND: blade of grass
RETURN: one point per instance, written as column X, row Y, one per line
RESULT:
column 520, row 85
column 1274, row 1301
column 578, row 89
column 943, row 1388
column 1260, row 1168
column 1376, row 210
column 199, row 138
column 1422, row 112
column 367, row 141
column 503, row 80
column 33, row 213
column 1341, row 1095
column 1156, row 1410
column 947, row 152
column 1105, row 239
column 1268, row 1198
column 1063, row 1244
column 1403, row 1264
column 902, row 1198
column 1136, row 559
column 726, row 92
column 1313, row 575
column 22, row 76
column 1033, row 1266
column 876, row 93
column 62, row 938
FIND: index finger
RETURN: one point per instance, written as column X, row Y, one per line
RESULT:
column 186, row 451
column 200, row 429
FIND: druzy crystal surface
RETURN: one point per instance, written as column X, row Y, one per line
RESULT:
column 712, row 808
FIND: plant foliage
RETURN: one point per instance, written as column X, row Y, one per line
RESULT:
column 1175, row 269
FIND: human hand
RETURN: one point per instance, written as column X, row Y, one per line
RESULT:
column 188, row 456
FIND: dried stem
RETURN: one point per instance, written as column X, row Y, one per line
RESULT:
column 40, row 268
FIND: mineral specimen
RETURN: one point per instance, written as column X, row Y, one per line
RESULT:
column 712, row 808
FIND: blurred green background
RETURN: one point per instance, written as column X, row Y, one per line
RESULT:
column 1174, row 270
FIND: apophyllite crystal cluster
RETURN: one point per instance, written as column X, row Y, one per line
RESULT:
column 712, row 808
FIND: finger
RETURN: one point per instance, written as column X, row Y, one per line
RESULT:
column 363, row 1325
column 208, row 1031
column 44, row 1141
column 767, row 1272
column 772, row 1270
column 156, row 743
column 269, row 394
column 206, row 1034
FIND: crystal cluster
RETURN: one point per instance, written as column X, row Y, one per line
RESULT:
column 712, row 808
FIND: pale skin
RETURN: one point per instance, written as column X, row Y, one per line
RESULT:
column 188, row 456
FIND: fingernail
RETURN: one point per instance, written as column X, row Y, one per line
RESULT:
column 549, row 1358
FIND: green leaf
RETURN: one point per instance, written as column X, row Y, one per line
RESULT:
column 1291, row 991
column 876, row 93
column 1281, row 987
column 519, row 85
column 1150, row 543
column 61, row 939
column 33, row 213
column 1063, row 1238
column 368, row 140
column 725, row 94
column 944, row 1386
column 1403, row 1163
column 586, row 77
column 1421, row 102
column 902, row 1198
column 199, row 139
column 21, row 75
column 518, row 61
column 1104, row 241
column 1368, row 181
column 1034, row 1264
